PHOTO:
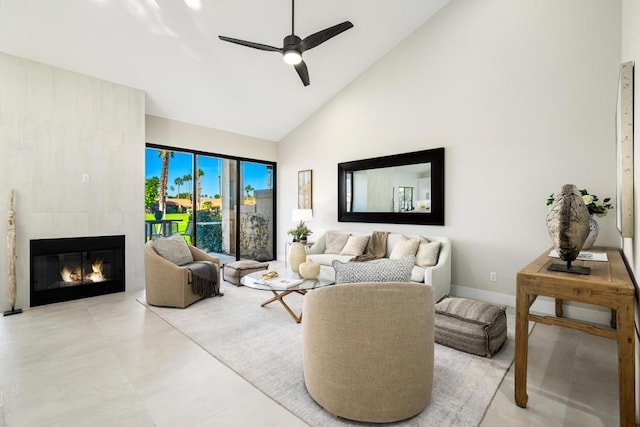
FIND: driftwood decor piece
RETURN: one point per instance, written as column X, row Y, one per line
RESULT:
column 624, row 146
column 568, row 225
column 11, row 258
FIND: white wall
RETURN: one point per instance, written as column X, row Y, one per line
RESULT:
column 174, row 133
column 522, row 96
column 56, row 125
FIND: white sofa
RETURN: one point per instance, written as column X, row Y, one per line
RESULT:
column 438, row 276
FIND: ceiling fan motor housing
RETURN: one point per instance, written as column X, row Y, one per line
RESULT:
column 290, row 51
column 291, row 42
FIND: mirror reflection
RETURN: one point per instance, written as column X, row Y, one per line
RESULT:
column 398, row 189
column 405, row 188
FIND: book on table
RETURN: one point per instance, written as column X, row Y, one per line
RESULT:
column 281, row 282
column 584, row 255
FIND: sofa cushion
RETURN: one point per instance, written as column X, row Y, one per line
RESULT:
column 427, row 255
column 327, row 259
column 417, row 274
column 385, row 270
column 173, row 248
column 405, row 247
column 355, row 245
column 335, row 241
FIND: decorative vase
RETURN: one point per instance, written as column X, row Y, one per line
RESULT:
column 309, row 270
column 297, row 255
column 568, row 223
column 594, row 229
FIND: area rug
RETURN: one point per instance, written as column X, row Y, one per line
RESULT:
column 264, row 346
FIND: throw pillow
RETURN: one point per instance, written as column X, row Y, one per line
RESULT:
column 335, row 241
column 355, row 245
column 174, row 249
column 427, row 255
column 405, row 247
column 386, row 270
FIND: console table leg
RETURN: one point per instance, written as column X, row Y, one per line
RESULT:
column 626, row 364
column 558, row 307
column 522, row 343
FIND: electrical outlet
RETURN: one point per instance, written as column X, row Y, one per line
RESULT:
column 85, row 177
column 493, row 276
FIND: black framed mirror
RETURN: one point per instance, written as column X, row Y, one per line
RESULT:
column 405, row 188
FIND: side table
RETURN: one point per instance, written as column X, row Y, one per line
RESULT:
column 609, row 285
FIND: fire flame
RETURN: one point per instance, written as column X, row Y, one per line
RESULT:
column 96, row 274
column 74, row 275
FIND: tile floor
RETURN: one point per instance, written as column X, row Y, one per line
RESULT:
column 108, row 361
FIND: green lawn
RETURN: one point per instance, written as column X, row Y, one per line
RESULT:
column 182, row 225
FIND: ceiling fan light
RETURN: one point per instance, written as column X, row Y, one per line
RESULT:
column 292, row 57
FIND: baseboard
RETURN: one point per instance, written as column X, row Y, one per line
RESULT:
column 543, row 305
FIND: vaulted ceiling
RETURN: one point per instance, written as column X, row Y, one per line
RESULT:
column 170, row 49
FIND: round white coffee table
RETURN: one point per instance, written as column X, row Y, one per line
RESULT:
column 286, row 283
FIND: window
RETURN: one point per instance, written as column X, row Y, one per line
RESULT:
column 222, row 205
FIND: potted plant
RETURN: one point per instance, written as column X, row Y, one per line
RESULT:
column 300, row 233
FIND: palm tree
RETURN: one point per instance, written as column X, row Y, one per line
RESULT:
column 199, row 174
column 187, row 178
column 248, row 188
column 164, row 173
column 178, row 182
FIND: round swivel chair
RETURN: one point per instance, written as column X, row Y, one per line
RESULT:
column 368, row 349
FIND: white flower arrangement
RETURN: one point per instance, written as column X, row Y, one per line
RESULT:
column 593, row 203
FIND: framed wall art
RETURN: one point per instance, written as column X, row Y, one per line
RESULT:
column 305, row 186
column 624, row 150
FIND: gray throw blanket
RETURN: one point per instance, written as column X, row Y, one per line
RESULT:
column 204, row 278
column 377, row 247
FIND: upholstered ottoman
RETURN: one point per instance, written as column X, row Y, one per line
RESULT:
column 471, row 326
column 235, row 271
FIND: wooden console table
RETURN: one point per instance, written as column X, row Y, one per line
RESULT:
column 609, row 285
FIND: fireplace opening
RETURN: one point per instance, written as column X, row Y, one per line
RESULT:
column 71, row 268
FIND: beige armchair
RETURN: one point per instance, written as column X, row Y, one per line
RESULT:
column 368, row 349
column 167, row 284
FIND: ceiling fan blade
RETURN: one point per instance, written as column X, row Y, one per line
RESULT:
column 251, row 44
column 301, row 68
column 322, row 36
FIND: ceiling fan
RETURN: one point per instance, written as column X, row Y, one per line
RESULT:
column 293, row 46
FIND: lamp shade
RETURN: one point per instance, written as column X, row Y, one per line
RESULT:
column 301, row 215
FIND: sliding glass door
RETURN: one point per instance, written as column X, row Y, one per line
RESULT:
column 216, row 195
column 256, row 211
column 224, row 206
column 168, row 197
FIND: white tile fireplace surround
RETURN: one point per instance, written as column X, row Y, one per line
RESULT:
column 71, row 268
column 72, row 149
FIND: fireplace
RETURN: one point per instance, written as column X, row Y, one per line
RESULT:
column 71, row 268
